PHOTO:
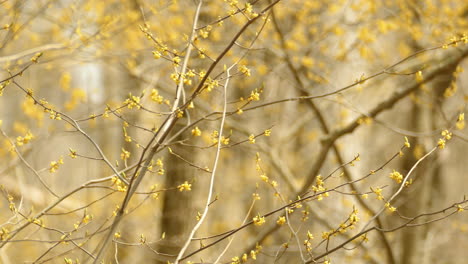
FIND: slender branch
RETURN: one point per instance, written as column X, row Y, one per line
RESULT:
column 213, row 173
column 28, row 165
column 31, row 52
column 159, row 137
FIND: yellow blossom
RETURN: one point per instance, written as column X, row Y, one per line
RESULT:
column 72, row 153
column 124, row 155
column 441, row 143
column 20, row 141
column 224, row 140
column 54, row 165
column 353, row 218
column 364, row 120
column 156, row 97
column 395, row 175
column 179, row 113
column 254, row 96
column 214, row 136
column 36, row 57
column 407, row 144
column 419, row 76
column 252, row 139
column 184, row 187
column 460, row 121
column 235, row 260
column 132, row 101
column 244, row 70
column 176, row 60
column 256, row 196
column 54, row 115
column 378, row 192
column 390, row 208
column 156, row 54
column 281, row 220
column 325, row 235
column 259, row 220
column 196, row 132
column 446, row 134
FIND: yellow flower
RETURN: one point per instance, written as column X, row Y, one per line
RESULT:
column 243, row 69
column 390, row 208
column 252, row 139
column 224, row 140
column 446, row 134
column 254, row 96
column 54, row 165
column 176, row 60
column 353, row 218
column 36, row 56
column 214, row 136
column 419, row 76
column 156, row 54
column 253, row 253
column 281, row 220
column 184, row 187
column 378, row 192
column 259, row 220
column 441, row 143
column 156, row 97
column 72, row 153
column 124, row 155
column 407, row 144
column 196, row 132
column 235, row 260
column 54, row 115
column 460, row 121
column 395, row 175
column 24, row 140
column 325, row 235
column 180, row 113
column 256, row 196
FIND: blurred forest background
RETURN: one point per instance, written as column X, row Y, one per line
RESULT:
column 233, row 131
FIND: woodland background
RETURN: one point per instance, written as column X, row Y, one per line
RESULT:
column 316, row 131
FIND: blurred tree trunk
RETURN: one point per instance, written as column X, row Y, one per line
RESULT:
column 414, row 199
column 426, row 193
column 177, row 206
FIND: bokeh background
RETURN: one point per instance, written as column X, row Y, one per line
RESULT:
column 111, row 66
